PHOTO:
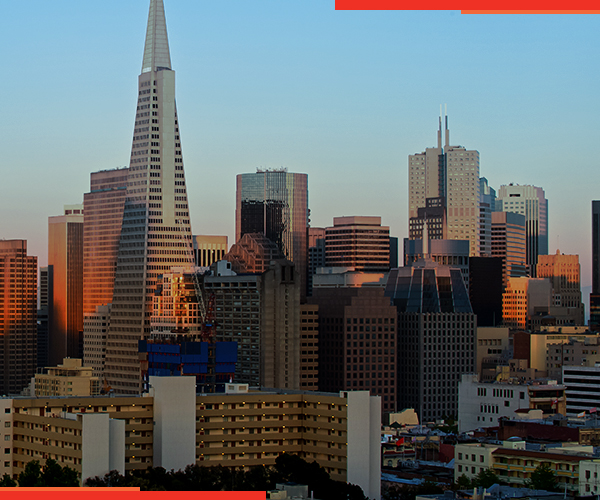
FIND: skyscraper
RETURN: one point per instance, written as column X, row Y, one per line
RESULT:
column 436, row 340
column 487, row 205
column 65, row 267
column 595, row 295
column 155, row 233
column 18, row 315
column 275, row 203
column 508, row 243
column 531, row 202
column 444, row 191
column 103, row 214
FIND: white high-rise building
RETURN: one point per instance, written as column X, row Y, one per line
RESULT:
column 156, row 232
column 449, row 174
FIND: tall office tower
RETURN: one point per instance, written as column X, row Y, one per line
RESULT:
column 531, row 202
column 360, row 243
column 444, row 183
column 209, row 249
column 357, row 341
column 508, row 243
column 102, row 217
column 564, row 274
column 261, row 312
column 316, row 253
column 487, row 205
column 436, row 337
column 65, row 263
column 42, row 319
column 275, row 203
column 18, row 316
column 156, row 233
column 253, row 253
column 595, row 295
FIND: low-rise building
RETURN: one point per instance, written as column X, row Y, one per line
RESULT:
column 483, row 404
column 515, row 466
column 472, row 458
column 68, row 379
column 589, row 481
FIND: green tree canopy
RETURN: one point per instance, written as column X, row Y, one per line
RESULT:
column 543, row 478
column 7, row 482
column 51, row 474
column 485, row 479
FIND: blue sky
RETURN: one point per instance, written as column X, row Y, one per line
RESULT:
column 342, row 96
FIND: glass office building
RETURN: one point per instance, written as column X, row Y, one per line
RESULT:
column 275, row 203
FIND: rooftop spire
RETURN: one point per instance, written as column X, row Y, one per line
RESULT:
column 156, row 50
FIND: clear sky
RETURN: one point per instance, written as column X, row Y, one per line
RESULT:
column 342, row 96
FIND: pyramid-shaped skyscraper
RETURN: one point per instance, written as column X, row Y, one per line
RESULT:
column 156, row 233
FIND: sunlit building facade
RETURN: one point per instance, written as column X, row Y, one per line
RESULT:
column 65, row 263
column 102, row 217
column 209, row 249
column 18, row 316
column 563, row 271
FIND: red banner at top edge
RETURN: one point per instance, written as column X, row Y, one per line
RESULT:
column 525, row 6
column 124, row 494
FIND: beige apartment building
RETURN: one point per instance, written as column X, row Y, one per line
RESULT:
column 239, row 428
column 68, row 379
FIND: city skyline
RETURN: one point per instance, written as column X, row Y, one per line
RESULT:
column 344, row 97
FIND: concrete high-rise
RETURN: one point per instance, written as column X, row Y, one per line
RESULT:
column 156, row 233
column 261, row 312
column 65, row 265
column 102, row 217
column 531, row 202
column 18, row 316
column 275, row 203
column 595, row 295
column 444, row 184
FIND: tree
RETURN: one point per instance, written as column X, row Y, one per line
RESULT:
column 7, row 482
column 542, row 478
column 463, row 483
column 52, row 474
column 31, row 475
column 485, row 479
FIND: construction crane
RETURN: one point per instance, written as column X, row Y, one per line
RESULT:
column 206, row 309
